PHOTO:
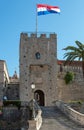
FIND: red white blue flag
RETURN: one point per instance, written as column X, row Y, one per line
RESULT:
column 43, row 9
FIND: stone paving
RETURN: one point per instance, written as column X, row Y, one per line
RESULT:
column 54, row 119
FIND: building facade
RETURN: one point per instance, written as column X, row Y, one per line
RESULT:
column 38, row 65
column 4, row 78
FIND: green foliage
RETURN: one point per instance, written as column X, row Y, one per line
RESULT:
column 80, row 102
column 68, row 77
column 12, row 102
column 76, row 101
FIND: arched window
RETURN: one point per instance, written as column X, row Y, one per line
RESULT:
column 37, row 55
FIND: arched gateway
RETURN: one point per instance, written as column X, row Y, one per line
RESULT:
column 39, row 97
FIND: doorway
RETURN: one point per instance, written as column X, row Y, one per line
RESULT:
column 39, row 97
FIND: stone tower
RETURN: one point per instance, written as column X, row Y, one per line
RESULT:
column 38, row 65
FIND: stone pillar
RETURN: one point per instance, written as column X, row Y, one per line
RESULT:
column 32, row 125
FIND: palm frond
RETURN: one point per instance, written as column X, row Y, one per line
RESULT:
column 80, row 45
column 72, row 48
column 71, row 54
column 69, row 48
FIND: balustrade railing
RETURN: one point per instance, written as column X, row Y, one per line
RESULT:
column 35, row 112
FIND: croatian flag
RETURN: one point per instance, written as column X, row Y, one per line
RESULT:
column 43, row 9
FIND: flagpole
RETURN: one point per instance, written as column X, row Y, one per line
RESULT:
column 36, row 20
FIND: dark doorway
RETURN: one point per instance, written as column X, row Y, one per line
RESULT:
column 39, row 97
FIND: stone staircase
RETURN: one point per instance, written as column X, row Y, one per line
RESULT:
column 54, row 119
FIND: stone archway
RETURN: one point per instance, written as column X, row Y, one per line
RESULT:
column 39, row 97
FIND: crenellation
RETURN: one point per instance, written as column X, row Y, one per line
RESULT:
column 38, row 35
column 53, row 36
column 43, row 36
column 24, row 36
column 33, row 35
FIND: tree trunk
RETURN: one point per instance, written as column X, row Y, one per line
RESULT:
column 83, row 67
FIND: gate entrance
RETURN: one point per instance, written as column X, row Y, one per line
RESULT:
column 39, row 97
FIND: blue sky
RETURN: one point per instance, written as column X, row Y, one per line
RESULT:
column 18, row 16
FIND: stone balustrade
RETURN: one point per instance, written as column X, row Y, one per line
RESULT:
column 38, row 120
column 35, row 124
column 71, row 113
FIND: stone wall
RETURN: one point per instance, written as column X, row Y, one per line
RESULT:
column 13, row 118
column 75, row 89
column 12, row 91
column 1, row 91
column 11, row 113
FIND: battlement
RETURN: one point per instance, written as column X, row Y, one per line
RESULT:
column 38, row 35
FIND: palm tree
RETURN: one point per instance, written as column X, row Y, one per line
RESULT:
column 75, row 53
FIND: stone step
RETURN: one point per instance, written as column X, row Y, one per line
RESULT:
column 49, row 112
column 54, row 119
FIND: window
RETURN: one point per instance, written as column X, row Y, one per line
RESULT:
column 37, row 55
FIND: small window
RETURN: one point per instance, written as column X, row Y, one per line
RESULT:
column 37, row 55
